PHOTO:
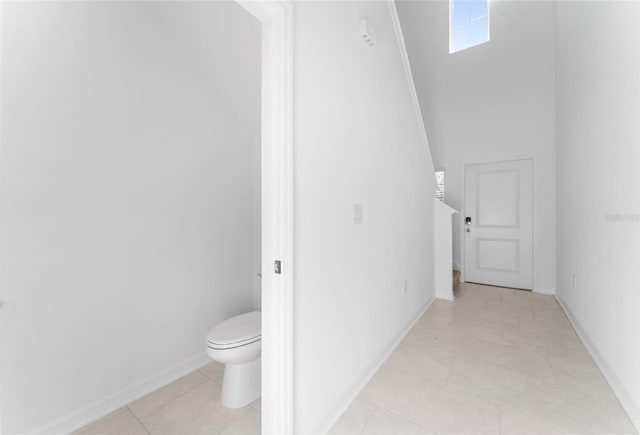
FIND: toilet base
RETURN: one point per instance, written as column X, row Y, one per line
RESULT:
column 241, row 384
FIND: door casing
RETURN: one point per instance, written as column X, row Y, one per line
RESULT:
column 277, row 18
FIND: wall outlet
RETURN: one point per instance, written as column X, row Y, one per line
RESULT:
column 404, row 286
column 573, row 280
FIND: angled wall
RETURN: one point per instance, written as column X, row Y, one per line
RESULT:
column 357, row 141
column 598, row 55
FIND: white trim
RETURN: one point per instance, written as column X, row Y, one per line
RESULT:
column 545, row 291
column 99, row 409
column 618, row 387
column 535, row 285
column 277, row 212
column 5, row 312
column 345, row 402
column 412, row 88
column 262, row 10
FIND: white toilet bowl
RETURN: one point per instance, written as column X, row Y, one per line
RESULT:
column 236, row 343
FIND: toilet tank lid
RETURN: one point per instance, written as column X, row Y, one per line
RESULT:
column 239, row 328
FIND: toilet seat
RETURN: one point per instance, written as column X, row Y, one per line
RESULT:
column 231, row 345
column 237, row 331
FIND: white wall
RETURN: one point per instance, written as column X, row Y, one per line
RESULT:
column 125, row 206
column 222, row 40
column 598, row 155
column 442, row 233
column 356, row 141
column 493, row 102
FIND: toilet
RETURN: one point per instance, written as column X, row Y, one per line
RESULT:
column 236, row 343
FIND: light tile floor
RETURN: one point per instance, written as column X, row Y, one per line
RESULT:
column 494, row 361
column 190, row 405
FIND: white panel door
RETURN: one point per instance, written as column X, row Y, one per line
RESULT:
column 498, row 224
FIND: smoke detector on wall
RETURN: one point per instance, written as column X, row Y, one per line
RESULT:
column 367, row 33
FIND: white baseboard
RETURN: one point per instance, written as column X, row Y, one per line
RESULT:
column 626, row 400
column 100, row 408
column 545, row 291
column 364, row 380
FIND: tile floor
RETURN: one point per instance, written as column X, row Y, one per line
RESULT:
column 494, row 361
column 190, row 405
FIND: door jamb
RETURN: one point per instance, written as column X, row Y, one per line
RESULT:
column 277, row 19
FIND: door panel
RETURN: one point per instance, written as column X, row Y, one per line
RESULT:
column 498, row 254
column 499, row 236
column 497, row 199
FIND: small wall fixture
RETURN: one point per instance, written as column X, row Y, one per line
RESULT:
column 367, row 33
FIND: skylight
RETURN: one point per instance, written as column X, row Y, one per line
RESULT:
column 468, row 23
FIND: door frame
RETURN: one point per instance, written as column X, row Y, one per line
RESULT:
column 535, row 199
column 276, row 17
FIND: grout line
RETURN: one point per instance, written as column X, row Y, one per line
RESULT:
column 254, row 407
column 390, row 411
column 215, row 381
column 226, row 427
column 138, row 420
column 368, row 417
column 200, row 370
column 109, row 416
column 172, row 400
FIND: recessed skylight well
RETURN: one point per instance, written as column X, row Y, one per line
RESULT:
column 468, row 24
